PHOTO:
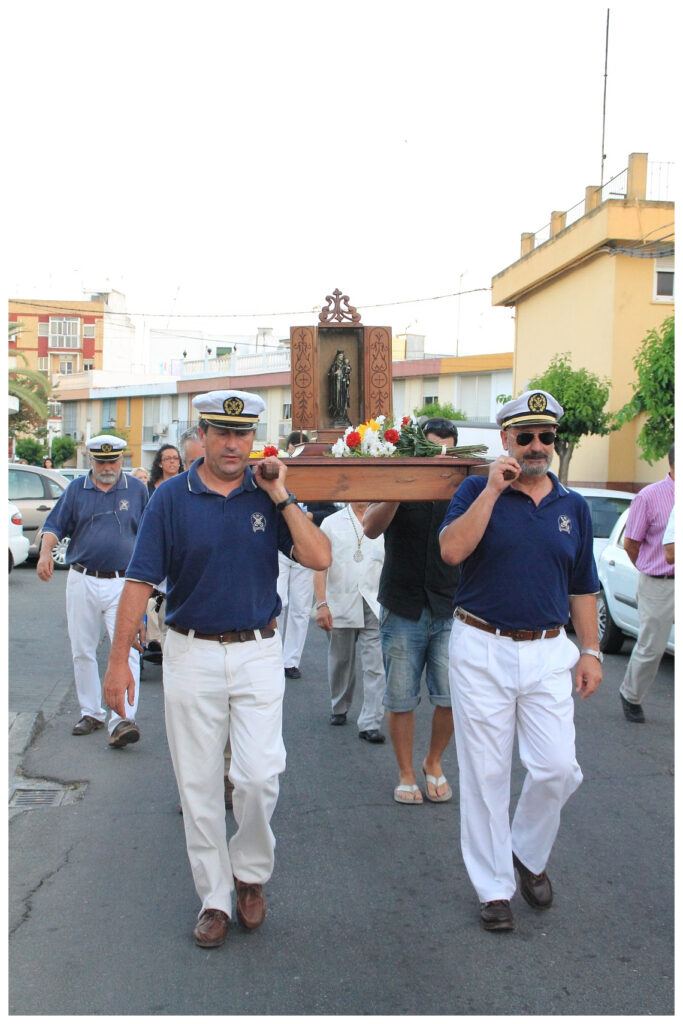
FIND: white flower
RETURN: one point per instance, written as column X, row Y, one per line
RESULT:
column 339, row 449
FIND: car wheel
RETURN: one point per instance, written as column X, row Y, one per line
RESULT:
column 610, row 636
column 59, row 553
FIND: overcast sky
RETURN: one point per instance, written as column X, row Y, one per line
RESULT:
column 243, row 157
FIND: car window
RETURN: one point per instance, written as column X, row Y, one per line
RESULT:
column 605, row 512
column 55, row 487
column 23, row 486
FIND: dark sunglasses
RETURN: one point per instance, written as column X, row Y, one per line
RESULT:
column 526, row 437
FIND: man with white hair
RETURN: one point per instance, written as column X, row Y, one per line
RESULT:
column 101, row 513
column 214, row 533
column 525, row 546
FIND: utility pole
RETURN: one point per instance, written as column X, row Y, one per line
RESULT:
column 604, row 106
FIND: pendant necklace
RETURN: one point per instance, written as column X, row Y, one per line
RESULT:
column 358, row 554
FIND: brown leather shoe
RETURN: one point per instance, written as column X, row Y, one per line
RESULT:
column 86, row 725
column 125, row 732
column 496, row 916
column 229, row 787
column 251, row 906
column 211, row 929
column 536, row 889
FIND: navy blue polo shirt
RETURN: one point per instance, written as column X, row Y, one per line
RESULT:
column 219, row 554
column 530, row 558
column 102, row 525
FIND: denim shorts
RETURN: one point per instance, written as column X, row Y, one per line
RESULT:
column 408, row 648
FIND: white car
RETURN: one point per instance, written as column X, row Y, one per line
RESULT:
column 617, row 600
column 606, row 506
column 18, row 544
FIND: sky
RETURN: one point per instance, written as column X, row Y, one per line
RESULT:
column 216, row 159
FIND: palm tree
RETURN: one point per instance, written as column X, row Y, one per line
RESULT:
column 29, row 386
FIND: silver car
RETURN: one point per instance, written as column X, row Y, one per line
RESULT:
column 35, row 491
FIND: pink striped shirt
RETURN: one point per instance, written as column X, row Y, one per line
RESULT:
column 647, row 518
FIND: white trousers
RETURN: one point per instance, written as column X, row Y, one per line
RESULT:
column 156, row 621
column 214, row 692
column 341, row 670
column 295, row 587
column 91, row 603
column 656, row 616
column 498, row 686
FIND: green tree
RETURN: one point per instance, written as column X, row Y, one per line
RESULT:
column 445, row 409
column 583, row 396
column 31, row 387
column 63, row 449
column 31, row 450
column 654, row 392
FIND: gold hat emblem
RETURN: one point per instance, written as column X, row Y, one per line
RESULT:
column 106, row 448
column 233, row 406
column 537, row 403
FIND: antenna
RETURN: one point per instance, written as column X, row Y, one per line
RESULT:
column 604, row 107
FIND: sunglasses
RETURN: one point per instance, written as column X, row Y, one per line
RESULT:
column 525, row 437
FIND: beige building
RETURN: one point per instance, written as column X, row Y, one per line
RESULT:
column 592, row 284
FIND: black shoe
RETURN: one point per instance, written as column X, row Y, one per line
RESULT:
column 292, row 673
column 632, row 712
column 338, row 719
column 372, row 736
column 86, row 725
column 496, row 916
column 536, row 889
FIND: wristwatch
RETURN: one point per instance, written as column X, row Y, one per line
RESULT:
column 596, row 654
column 289, row 500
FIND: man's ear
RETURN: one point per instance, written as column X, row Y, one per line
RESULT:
column 504, row 439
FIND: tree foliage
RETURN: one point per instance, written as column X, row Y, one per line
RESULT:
column 31, row 387
column 31, row 450
column 63, row 449
column 583, row 396
column 654, row 363
column 445, row 409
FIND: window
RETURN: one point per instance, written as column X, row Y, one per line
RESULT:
column 43, row 364
column 64, row 332
column 88, row 330
column 128, row 412
column 88, row 365
column 664, row 279
column 430, row 390
column 475, row 396
column 287, row 411
column 54, row 409
column 69, row 417
column 43, row 330
column 108, row 413
column 23, row 485
column 66, row 366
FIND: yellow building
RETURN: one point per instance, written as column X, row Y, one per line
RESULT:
column 592, row 284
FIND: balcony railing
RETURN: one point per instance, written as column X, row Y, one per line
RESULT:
column 238, row 365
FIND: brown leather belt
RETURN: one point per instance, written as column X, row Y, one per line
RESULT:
column 230, row 636
column 513, row 634
column 96, row 572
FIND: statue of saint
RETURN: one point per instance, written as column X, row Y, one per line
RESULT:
column 339, row 383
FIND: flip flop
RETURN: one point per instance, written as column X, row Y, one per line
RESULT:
column 407, row 789
column 442, row 780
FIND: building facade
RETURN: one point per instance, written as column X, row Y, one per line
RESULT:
column 592, row 284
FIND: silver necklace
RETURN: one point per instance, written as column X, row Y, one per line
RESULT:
column 358, row 554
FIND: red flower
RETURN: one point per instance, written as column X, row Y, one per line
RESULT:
column 391, row 436
column 353, row 439
column 405, row 421
column 270, row 449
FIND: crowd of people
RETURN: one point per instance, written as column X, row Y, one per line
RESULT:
column 211, row 566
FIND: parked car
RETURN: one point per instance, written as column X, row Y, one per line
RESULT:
column 617, row 599
column 35, row 491
column 71, row 472
column 606, row 506
column 18, row 543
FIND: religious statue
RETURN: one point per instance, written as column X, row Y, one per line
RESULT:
column 339, row 380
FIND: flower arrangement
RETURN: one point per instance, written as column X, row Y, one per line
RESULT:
column 269, row 449
column 376, row 437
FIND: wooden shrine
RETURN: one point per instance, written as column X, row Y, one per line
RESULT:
column 341, row 376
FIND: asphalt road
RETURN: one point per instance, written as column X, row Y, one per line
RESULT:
column 370, row 910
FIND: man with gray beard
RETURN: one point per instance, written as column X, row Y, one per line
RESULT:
column 525, row 545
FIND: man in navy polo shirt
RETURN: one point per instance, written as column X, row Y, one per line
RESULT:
column 101, row 513
column 215, row 532
column 525, row 545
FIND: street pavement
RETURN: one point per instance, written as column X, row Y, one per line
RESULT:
column 370, row 910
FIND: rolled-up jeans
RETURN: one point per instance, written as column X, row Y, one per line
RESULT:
column 214, row 692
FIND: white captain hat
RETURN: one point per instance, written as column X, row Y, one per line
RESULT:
column 230, row 410
column 105, row 447
column 530, row 408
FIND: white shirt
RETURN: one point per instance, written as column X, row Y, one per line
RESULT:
column 668, row 537
column 348, row 581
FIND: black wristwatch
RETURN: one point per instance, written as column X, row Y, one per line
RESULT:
column 289, row 500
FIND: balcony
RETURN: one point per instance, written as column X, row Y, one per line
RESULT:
column 238, row 365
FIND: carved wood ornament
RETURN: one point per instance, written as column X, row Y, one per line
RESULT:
column 333, row 314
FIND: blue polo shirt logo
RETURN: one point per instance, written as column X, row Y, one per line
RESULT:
column 565, row 524
column 258, row 522
column 123, row 505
